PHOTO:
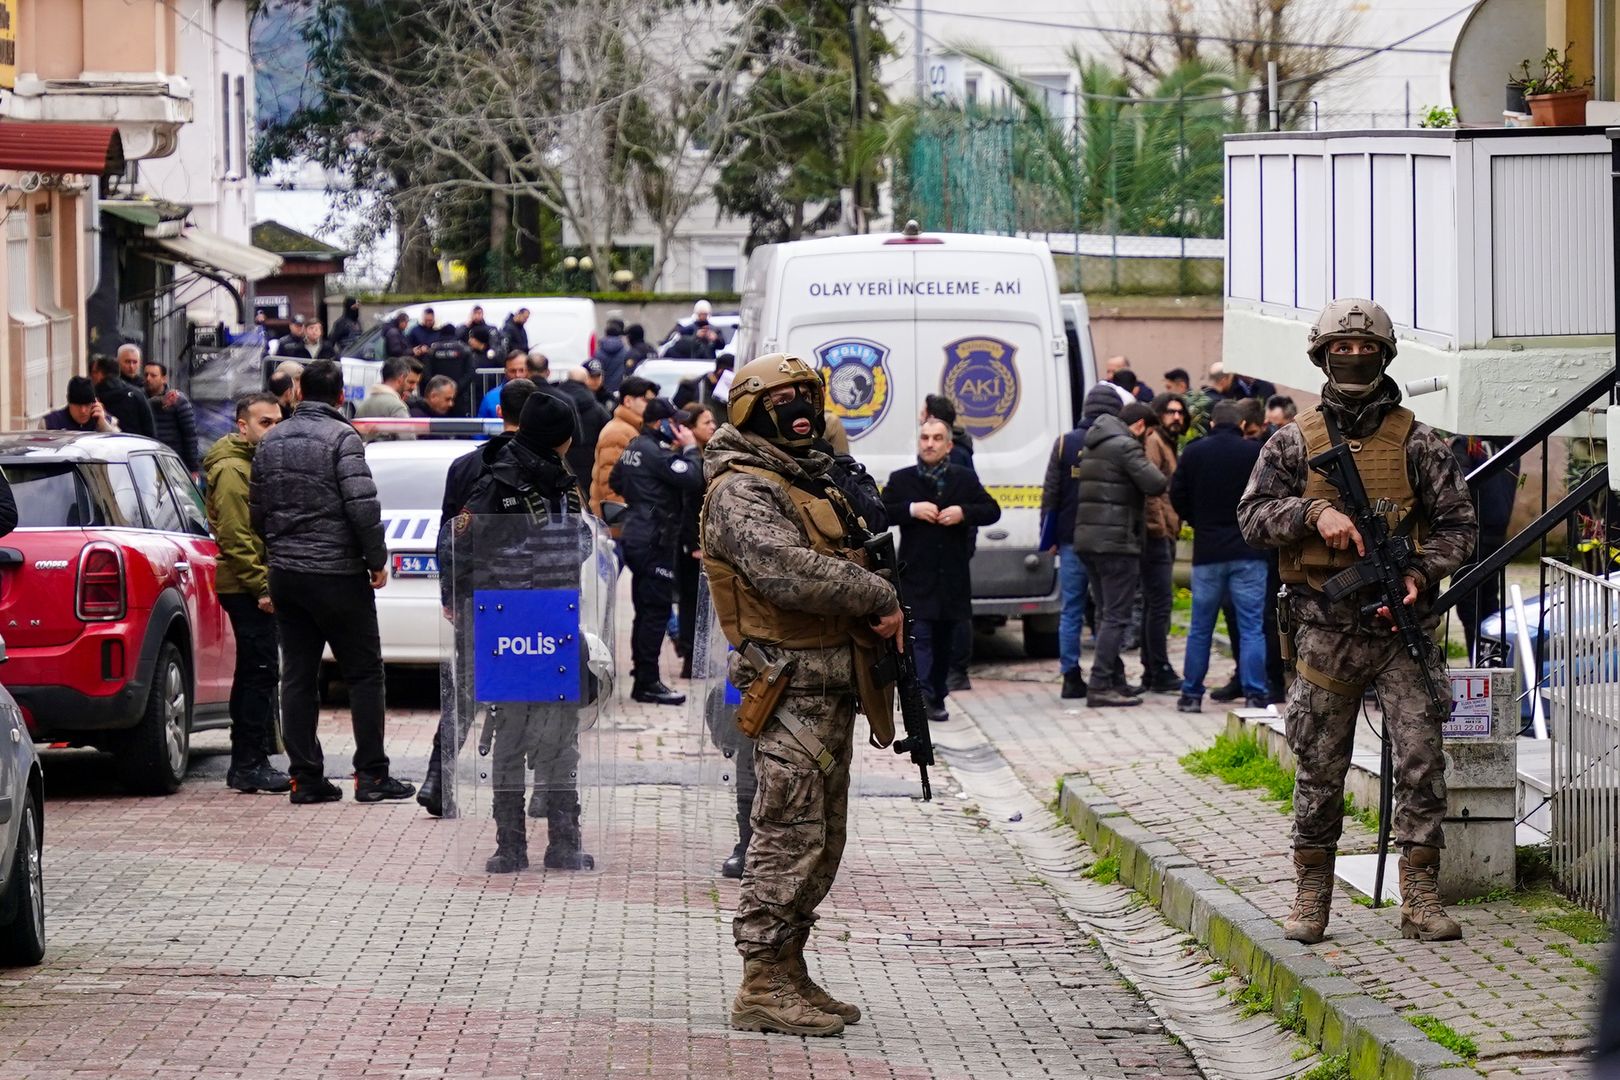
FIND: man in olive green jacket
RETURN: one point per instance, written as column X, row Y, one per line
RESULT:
column 242, row 581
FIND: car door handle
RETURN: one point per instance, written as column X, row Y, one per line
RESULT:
column 183, row 567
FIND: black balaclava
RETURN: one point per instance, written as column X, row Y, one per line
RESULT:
column 775, row 424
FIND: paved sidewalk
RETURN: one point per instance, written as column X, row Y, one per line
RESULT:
column 1522, row 991
column 217, row 935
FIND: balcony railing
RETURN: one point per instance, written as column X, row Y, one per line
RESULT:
column 1466, row 237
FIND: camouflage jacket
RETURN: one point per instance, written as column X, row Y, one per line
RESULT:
column 750, row 524
column 1272, row 515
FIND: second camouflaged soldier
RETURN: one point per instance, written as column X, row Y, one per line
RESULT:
column 1337, row 649
column 781, row 548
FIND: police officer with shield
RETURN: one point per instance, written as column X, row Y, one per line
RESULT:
column 1341, row 646
column 657, row 470
column 526, row 509
column 787, row 574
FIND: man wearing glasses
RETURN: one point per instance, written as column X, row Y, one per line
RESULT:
column 1159, row 547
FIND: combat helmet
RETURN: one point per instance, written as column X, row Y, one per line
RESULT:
column 748, row 406
column 1353, row 319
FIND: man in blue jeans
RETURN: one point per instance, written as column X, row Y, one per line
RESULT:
column 1205, row 491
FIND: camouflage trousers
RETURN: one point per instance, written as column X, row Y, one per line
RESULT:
column 799, row 820
column 1322, row 730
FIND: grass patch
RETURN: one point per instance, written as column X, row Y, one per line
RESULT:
column 1253, row 1001
column 1105, row 871
column 1569, row 954
column 1578, row 923
column 1293, row 1017
column 1366, row 901
column 1336, row 1067
column 1241, row 762
column 1367, row 815
column 1443, row 1033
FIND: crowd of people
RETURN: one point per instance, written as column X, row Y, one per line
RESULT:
column 1118, row 491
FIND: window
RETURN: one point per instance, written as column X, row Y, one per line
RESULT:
column 721, row 279
column 112, row 490
column 1056, row 99
column 161, row 512
column 186, row 495
column 59, row 332
column 224, row 124
column 48, row 497
column 241, row 127
column 36, row 362
column 970, row 91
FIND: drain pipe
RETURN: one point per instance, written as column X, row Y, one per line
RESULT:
column 1527, row 661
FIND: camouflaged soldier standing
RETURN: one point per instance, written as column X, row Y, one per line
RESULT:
column 1337, row 650
column 787, row 575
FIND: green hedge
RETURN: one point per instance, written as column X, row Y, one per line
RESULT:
column 402, row 299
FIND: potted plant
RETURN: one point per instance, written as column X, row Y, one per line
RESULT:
column 1556, row 99
column 1515, row 90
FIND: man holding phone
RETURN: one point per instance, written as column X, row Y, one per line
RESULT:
column 655, row 472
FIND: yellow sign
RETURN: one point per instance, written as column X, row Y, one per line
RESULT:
column 1016, row 496
column 8, row 44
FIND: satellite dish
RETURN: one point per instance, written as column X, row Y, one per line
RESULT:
column 1498, row 35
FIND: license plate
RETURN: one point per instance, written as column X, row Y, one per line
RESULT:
column 416, row 566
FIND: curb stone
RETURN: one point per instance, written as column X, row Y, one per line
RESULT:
column 1338, row 1015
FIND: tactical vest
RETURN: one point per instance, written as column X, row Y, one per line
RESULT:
column 1381, row 460
column 744, row 612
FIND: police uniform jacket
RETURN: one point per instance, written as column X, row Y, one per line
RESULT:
column 653, row 478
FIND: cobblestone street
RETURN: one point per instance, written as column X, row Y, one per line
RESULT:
column 223, row 935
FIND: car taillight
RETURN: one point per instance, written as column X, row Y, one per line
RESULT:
column 101, row 583
column 590, row 350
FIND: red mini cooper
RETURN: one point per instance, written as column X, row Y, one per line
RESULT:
column 113, row 630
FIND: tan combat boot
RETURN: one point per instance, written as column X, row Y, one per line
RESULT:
column 1422, row 917
column 768, row 1000
column 793, row 957
column 1313, row 871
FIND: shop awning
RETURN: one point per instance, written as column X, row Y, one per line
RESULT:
column 85, row 149
column 211, row 251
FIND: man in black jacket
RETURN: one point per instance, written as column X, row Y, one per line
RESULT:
column 657, row 469
column 525, row 524
column 121, row 401
column 1494, row 498
column 314, row 502
column 1110, row 527
column 515, row 331
column 1205, row 491
column 937, row 505
column 459, row 362
column 347, row 327
column 1060, row 500
column 174, row 419
column 580, row 389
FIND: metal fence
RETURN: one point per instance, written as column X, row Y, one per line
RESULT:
column 1129, row 196
column 1582, row 615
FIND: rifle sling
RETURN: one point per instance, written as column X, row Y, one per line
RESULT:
column 1325, row 681
column 806, row 739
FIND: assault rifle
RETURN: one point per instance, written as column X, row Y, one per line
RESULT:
column 899, row 666
column 1381, row 573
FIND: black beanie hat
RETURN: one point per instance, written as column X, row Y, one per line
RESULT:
column 546, row 423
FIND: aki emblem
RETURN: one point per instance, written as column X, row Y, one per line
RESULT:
column 983, row 383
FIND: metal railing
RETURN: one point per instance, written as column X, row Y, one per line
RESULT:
column 1583, row 685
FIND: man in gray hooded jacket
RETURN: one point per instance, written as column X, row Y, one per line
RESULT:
column 1115, row 478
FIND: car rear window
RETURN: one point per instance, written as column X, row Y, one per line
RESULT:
column 410, row 485
column 50, row 496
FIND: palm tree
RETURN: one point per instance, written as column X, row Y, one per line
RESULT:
column 1128, row 163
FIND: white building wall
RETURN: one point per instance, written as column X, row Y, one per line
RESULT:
column 209, row 170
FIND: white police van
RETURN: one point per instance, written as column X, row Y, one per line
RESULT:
column 894, row 317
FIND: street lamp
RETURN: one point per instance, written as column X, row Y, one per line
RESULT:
column 622, row 278
column 570, row 263
column 585, row 263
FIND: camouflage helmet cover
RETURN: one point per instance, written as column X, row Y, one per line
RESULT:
column 1351, row 318
column 760, row 376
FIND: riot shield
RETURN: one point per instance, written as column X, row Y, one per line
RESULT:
column 722, row 796
column 722, row 792
column 530, row 600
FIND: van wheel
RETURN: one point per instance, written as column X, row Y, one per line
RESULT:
column 1040, row 643
column 22, row 942
column 154, row 757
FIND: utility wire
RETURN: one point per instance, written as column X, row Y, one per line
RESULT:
column 1334, row 69
column 1173, row 35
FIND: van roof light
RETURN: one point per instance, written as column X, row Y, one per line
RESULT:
column 912, row 234
column 911, row 228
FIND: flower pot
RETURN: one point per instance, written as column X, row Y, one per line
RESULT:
column 1515, row 99
column 1559, row 110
